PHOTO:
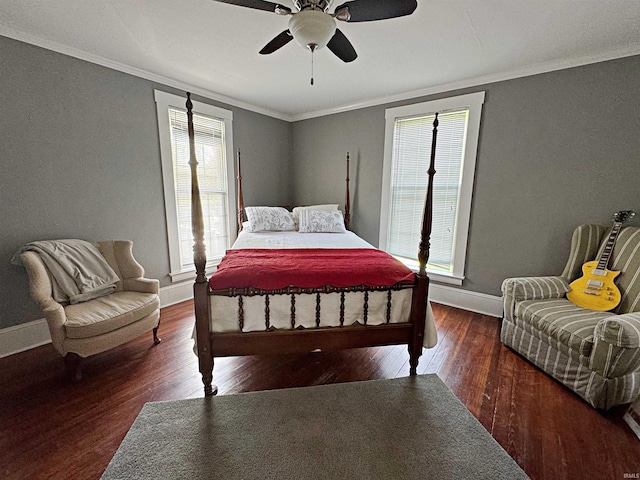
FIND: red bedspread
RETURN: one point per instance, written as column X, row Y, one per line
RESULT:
column 272, row 269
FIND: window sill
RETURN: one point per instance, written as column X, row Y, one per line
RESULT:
column 434, row 275
column 440, row 278
column 190, row 274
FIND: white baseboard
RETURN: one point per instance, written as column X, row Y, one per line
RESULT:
column 29, row 335
column 176, row 293
column 466, row 299
column 23, row 337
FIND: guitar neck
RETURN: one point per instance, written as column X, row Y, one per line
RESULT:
column 608, row 248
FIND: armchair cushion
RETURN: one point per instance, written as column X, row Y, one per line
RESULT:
column 105, row 314
column 561, row 320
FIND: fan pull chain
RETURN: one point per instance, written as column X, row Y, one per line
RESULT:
column 312, row 50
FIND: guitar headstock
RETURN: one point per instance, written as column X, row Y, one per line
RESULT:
column 623, row 216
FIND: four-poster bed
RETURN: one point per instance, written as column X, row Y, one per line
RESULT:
column 355, row 296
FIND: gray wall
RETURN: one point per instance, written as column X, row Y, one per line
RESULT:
column 320, row 146
column 556, row 150
column 81, row 159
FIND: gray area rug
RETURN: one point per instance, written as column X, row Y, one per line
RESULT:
column 405, row 428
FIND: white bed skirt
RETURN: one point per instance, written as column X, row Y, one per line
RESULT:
column 225, row 318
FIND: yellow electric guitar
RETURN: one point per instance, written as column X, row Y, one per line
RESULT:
column 595, row 290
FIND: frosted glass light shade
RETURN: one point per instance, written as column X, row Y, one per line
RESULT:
column 312, row 28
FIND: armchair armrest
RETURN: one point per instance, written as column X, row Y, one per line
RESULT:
column 56, row 318
column 620, row 330
column 615, row 345
column 142, row 285
column 39, row 281
column 531, row 288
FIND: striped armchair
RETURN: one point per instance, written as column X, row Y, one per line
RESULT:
column 596, row 354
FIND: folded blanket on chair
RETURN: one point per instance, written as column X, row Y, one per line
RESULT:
column 77, row 270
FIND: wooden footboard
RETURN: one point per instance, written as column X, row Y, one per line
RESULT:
column 210, row 344
column 307, row 340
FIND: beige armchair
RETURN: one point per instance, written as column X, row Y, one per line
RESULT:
column 87, row 328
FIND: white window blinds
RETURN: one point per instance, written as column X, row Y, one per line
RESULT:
column 411, row 154
column 407, row 152
column 212, row 179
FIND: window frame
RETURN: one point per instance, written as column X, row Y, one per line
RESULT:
column 163, row 101
column 473, row 102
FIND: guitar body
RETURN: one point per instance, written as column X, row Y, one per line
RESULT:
column 595, row 290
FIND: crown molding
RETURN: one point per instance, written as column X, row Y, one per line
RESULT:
column 136, row 72
column 527, row 71
column 477, row 81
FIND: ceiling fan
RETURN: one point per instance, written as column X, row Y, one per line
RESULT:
column 314, row 27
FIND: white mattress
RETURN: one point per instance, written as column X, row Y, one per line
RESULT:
column 224, row 310
column 299, row 240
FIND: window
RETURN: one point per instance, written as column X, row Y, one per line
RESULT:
column 408, row 135
column 214, row 152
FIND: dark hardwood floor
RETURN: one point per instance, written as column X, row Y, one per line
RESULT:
column 51, row 429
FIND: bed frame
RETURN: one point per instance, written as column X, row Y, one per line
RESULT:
column 272, row 341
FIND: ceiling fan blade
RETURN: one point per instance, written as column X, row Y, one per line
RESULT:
column 278, row 42
column 369, row 10
column 259, row 5
column 341, row 46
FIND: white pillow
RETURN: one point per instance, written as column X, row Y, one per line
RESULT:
column 319, row 221
column 268, row 219
column 325, row 208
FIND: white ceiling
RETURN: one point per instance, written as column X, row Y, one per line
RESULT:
column 212, row 48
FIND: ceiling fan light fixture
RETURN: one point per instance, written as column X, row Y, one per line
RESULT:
column 312, row 28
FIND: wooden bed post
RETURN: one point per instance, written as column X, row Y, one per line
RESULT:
column 425, row 234
column 419, row 302
column 205, row 359
column 347, row 201
column 240, row 196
